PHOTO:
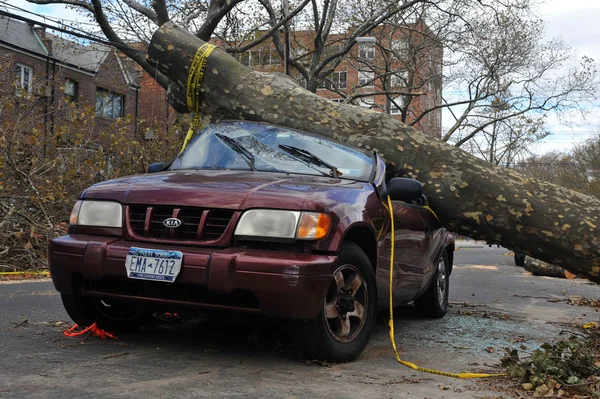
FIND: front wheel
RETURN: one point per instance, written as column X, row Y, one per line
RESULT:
column 108, row 315
column 434, row 302
column 342, row 330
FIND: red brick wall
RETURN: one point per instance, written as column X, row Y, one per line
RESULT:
column 153, row 104
column 426, row 77
column 39, row 105
column 15, row 107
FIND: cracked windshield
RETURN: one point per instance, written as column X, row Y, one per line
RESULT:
column 249, row 146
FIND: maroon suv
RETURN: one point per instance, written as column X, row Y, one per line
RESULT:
column 258, row 219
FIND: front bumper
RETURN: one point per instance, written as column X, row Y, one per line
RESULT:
column 274, row 283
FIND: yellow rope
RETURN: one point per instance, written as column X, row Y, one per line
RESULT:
column 192, row 92
column 391, row 323
column 34, row 272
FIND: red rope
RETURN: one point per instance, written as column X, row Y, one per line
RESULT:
column 98, row 332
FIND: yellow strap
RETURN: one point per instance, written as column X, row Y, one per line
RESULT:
column 33, row 272
column 433, row 213
column 194, row 83
column 391, row 322
column 196, row 123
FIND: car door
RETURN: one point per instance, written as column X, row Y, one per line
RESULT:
column 409, row 234
column 433, row 242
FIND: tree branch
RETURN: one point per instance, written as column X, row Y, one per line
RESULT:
column 216, row 11
column 145, row 11
column 77, row 3
column 160, row 6
column 270, row 32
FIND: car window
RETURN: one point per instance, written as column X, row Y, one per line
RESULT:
column 273, row 149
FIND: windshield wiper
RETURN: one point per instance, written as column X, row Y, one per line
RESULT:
column 237, row 147
column 310, row 158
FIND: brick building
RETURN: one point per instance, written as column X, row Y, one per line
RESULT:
column 396, row 70
column 48, row 77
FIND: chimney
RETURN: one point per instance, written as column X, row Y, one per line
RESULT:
column 40, row 32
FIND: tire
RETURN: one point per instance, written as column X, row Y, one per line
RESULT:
column 519, row 259
column 342, row 330
column 434, row 302
column 110, row 316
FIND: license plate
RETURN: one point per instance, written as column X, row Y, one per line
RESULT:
column 153, row 264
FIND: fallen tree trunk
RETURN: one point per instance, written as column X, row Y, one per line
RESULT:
column 541, row 268
column 469, row 195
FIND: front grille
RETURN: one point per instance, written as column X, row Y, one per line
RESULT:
column 197, row 224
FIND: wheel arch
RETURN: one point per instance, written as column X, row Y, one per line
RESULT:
column 450, row 248
column 365, row 238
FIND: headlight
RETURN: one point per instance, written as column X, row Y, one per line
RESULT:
column 283, row 224
column 97, row 213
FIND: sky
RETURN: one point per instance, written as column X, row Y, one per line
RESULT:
column 575, row 21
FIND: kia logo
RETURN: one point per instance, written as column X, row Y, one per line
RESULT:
column 172, row 223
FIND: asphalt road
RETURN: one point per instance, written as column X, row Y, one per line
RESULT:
column 495, row 306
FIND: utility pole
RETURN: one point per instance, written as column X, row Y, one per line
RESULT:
column 286, row 38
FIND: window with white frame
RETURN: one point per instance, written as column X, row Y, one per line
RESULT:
column 339, row 79
column 245, row 58
column 366, row 51
column 273, row 58
column 365, row 78
column 400, row 48
column 24, row 77
column 109, row 104
column 71, row 90
column 366, row 102
column 399, row 78
column 396, row 105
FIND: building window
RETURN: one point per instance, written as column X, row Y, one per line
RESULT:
column 109, row 104
column 400, row 48
column 399, row 78
column 396, row 105
column 245, row 58
column 24, row 77
column 366, row 51
column 71, row 89
column 272, row 58
column 366, row 102
column 365, row 78
column 338, row 80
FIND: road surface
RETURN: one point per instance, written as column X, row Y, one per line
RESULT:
column 495, row 305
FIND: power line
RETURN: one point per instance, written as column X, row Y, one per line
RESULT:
column 53, row 19
column 72, row 32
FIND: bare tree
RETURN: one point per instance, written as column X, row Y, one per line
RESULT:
column 469, row 195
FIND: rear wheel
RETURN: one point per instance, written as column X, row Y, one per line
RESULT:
column 108, row 315
column 343, row 328
column 519, row 259
column 434, row 302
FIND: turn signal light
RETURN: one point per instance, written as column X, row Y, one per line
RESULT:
column 75, row 214
column 313, row 226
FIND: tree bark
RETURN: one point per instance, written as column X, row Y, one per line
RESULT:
column 540, row 268
column 470, row 196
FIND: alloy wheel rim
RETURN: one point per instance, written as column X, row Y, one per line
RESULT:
column 346, row 305
column 442, row 282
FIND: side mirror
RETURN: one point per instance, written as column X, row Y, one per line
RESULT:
column 403, row 189
column 157, row 167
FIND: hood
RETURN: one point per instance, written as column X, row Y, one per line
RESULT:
column 224, row 189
